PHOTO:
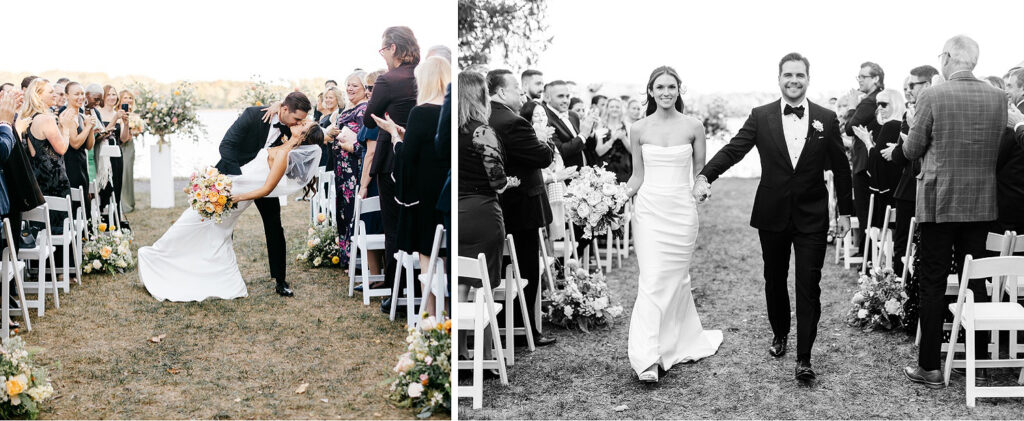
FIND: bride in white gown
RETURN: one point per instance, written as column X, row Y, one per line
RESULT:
column 195, row 259
column 665, row 329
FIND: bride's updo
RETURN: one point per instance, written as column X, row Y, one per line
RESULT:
column 314, row 136
column 652, row 105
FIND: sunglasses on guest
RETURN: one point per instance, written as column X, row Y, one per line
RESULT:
column 883, row 105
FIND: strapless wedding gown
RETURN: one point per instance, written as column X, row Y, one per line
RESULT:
column 665, row 328
column 195, row 259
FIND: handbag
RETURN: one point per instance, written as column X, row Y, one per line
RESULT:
column 27, row 239
column 22, row 188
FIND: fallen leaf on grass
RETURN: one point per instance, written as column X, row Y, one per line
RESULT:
column 620, row 408
column 157, row 339
column 238, row 399
column 173, row 370
column 301, row 389
column 324, row 400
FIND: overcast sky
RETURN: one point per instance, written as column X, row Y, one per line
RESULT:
column 726, row 46
column 214, row 39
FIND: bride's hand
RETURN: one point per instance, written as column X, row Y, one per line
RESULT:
column 270, row 111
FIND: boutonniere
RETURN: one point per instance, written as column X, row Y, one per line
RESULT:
column 818, row 126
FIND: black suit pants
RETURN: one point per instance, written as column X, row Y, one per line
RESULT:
column 528, row 254
column 810, row 256
column 270, row 212
column 389, row 218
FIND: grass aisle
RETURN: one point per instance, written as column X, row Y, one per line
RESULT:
column 220, row 359
column 859, row 374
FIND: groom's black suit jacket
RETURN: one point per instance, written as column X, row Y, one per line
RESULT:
column 244, row 140
column 787, row 194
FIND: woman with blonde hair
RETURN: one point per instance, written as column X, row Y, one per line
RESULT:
column 48, row 138
column 109, row 162
column 883, row 175
column 135, row 127
column 347, row 152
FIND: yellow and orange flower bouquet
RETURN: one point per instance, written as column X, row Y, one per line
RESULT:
column 209, row 193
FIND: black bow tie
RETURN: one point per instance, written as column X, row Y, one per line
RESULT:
column 799, row 111
column 284, row 128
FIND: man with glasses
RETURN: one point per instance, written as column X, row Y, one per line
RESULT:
column 956, row 134
column 525, row 207
column 871, row 81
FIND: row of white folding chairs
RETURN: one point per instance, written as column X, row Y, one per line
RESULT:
column 437, row 285
column 12, row 269
column 478, row 317
column 324, row 199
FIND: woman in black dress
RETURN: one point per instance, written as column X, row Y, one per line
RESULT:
column 613, row 148
column 884, row 175
column 111, row 164
column 76, row 160
column 419, row 174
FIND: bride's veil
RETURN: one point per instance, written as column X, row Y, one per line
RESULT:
column 303, row 162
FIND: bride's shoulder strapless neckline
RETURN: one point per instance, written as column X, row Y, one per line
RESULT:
column 669, row 146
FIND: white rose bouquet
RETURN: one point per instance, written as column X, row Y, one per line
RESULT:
column 878, row 304
column 322, row 245
column 581, row 300
column 595, row 201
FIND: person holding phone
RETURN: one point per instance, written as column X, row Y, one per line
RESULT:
column 109, row 163
column 127, row 99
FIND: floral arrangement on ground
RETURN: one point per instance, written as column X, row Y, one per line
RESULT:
column 109, row 251
column 25, row 385
column 581, row 300
column 424, row 371
column 878, row 304
column 322, row 244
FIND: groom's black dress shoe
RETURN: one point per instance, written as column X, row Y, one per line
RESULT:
column 283, row 289
column 778, row 347
column 804, row 372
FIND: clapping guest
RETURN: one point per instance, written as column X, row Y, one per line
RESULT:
column 395, row 95
column 110, row 164
column 419, row 177
column 569, row 136
column 883, row 175
column 1010, row 167
column 633, row 111
column 554, row 175
column 81, row 141
column 577, row 106
column 481, row 178
column 93, row 100
column 957, row 129
column 613, row 150
column 48, row 140
column 871, row 80
column 128, row 152
column 348, row 153
column 526, row 207
column 1014, row 81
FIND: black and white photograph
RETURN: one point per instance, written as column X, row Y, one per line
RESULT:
column 739, row 210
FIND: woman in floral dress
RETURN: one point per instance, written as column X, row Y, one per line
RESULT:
column 347, row 156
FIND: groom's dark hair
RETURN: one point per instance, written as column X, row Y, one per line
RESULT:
column 297, row 101
column 795, row 57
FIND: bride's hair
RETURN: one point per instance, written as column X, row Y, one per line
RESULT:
column 314, row 136
column 652, row 105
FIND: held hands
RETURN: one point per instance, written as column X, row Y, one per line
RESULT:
column 701, row 189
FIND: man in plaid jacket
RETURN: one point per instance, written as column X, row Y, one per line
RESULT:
column 957, row 132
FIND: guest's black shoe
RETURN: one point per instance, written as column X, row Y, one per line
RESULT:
column 491, row 374
column 541, row 340
column 778, row 347
column 931, row 379
column 283, row 289
column 979, row 373
column 804, row 372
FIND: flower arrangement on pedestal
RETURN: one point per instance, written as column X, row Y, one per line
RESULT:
column 170, row 113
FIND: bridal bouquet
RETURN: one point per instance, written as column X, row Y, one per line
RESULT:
column 879, row 302
column 582, row 301
column 209, row 193
column 424, row 372
column 109, row 252
column 595, row 201
column 25, row 386
column 322, row 244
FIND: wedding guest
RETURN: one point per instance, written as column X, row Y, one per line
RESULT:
column 419, row 177
column 332, row 104
column 443, row 148
column 906, row 190
column 27, row 80
column 93, row 100
column 1010, row 172
column 440, row 51
column 81, row 141
column 318, row 113
column 128, row 153
column 883, row 175
column 633, row 111
column 48, row 140
column 8, row 107
column 533, row 84
column 577, row 106
column 110, row 164
column 598, row 105
column 954, row 212
column 554, row 175
column 61, row 96
column 348, row 153
column 481, row 178
column 871, row 80
column 394, row 95
column 613, row 151
column 368, row 185
column 1014, row 81
column 526, row 207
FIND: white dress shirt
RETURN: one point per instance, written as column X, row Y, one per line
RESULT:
column 274, row 132
column 795, row 130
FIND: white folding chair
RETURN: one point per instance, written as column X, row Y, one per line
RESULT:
column 361, row 244
column 870, row 233
column 42, row 253
column 566, row 246
column 94, row 212
column 433, row 280
column 66, row 241
column 478, row 316
column 881, row 243
column 81, row 223
column 509, row 290
column 1014, row 288
column 12, row 269
column 991, row 316
column 546, row 263
column 848, row 247
column 407, row 263
column 908, row 257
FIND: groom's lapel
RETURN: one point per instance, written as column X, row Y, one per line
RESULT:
column 812, row 135
column 775, row 127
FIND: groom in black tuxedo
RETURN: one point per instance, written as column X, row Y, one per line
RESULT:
column 246, row 137
column 797, row 140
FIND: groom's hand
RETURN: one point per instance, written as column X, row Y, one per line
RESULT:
column 844, row 226
column 701, row 189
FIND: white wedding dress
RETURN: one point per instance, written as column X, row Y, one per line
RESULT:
column 665, row 328
column 195, row 259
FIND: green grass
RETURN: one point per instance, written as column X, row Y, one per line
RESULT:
column 859, row 374
column 242, row 358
